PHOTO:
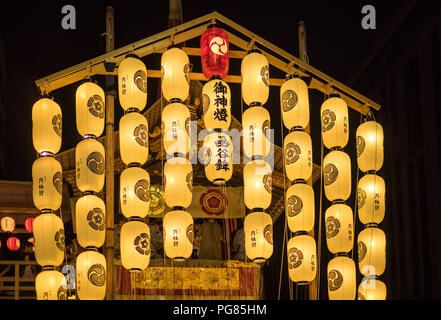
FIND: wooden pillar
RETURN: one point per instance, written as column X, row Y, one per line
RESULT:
column 110, row 162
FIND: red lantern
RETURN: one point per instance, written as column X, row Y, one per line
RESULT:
column 29, row 224
column 13, row 244
column 214, row 52
column 7, row 224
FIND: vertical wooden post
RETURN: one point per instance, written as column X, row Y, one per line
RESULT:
column 16, row 282
column 303, row 55
column 110, row 161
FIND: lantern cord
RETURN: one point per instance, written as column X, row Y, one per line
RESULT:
column 65, row 258
column 281, row 262
column 356, row 199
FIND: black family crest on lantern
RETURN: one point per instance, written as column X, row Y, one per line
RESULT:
column 362, row 250
column 295, row 258
column 267, row 182
column 335, row 280
column 294, row 206
column 95, row 163
column 189, row 180
column 205, row 103
column 141, row 135
column 142, row 190
column 96, row 106
column 330, row 174
column 187, row 69
column 95, row 219
column 289, row 100
column 292, row 153
column 332, row 227
column 190, row 233
column 142, row 244
column 268, row 233
column 264, row 72
column 361, row 197
column 97, row 275
column 140, row 79
column 59, row 239
column 57, row 124
column 328, row 120
column 62, row 293
column 361, row 144
column 58, row 182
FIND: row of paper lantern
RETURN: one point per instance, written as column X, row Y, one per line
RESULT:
column 8, row 224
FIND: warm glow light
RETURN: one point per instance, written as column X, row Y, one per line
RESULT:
column 372, row 289
column 294, row 101
column 47, row 183
column 176, row 128
column 13, row 244
column 51, row 285
column 339, row 228
column 175, row 73
column 335, row 123
column 257, row 184
column 372, row 251
column 371, row 199
column 7, row 224
column 135, row 192
column 134, row 138
column 299, row 207
column 214, row 52
column 218, row 158
column 297, row 149
column 337, row 175
column 132, row 83
column 49, row 240
column 178, row 182
column 255, row 78
column 90, row 109
column 46, row 126
column 302, row 259
column 258, row 229
column 370, row 151
column 256, row 132
column 341, row 279
column 91, row 271
column 216, row 104
column 178, row 234
column 90, row 165
column 90, row 221
column 135, row 245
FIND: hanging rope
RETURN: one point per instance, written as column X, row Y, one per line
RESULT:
column 356, row 201
column 65, row 258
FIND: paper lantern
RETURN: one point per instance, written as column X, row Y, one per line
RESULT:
column 132, row 83
column 176, row 128
column 372, row 251
column 335, row 123
column 134, row 138
column 49, row 240
column 51, row 285
column 90, row 221
column 46, row 126
column 91, row 271
column 13, row 244
column 47, row 183
column 90, row 165
column 178, row 234
column 258, row 229
column 372, row 289
column 135, row 192
column 90, row 109
column 300, row 207
column 298, row 155
column 175, row 74
column 256, row 132
column 178, row 182
column 337, row 176
column 29, row 222
column 294, row 100
column 371, row 199
column 7, row 224
column 341, row 279
column 339, row 221
column 218, row 158
column 216, row 104
column 302, row 259
column 257, row 184
column 370, row 151
column 255, row 78
column 214, row 52
column 135, row 245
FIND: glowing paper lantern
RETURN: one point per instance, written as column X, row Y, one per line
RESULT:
column 47, row 183
column 255, row 78
column 335, row 123
column 339, row 228
column 372, row 289
column 297, row 148
column 302, row 259
column 299, row 207
column 294, row 100
column 90, row 109
column 256, row 132
column 337, row 175
column 51, row 285
column 7, row 224
column 132, row 83
column 370, row 151
column 178, row 234
column 134, row 138
column 214, row 52
column 90, row 165
column 90, row 221
column 91, row 271
column 135, row 245
column 257, row 184
column 135, row 192
column 178, row 182
column 372, row 251
column 176, row 128
column 13, row 244
column 216, row 104
column 218, row 158
column 49, row 240
column 46, row 126
column 29, row 222
column 371, row 199
column 258, row 229
column 175, row 74
column 341, row 279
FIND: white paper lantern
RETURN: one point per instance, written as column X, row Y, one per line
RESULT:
column 258, row 229
column 257, row 184
column 335, row 123
column 90, row 165
column 298, row 155
column 255, row 78
column 371, row 199
column 90, row 221
column 7, row 224
column 132, row 83
column 51, row 285
column 302, row 259
column 175, row 74
column 370, row 151
column 341, row 279
column 300, row 207
column 256, row 132
column 372, row 289
column 372, row 251
column 178, row 182
column 294, row 100
column 135, row 192
column 135, row 245
column 216, row 103
column 90, row 109
column 91, row 275
column 47, row 183
column 339, row 222
column 134, row 138
column 176, row 128
column 218, row 157
column 49, row 240
column 46, row 126
column 337, row 175
column 178, row 234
